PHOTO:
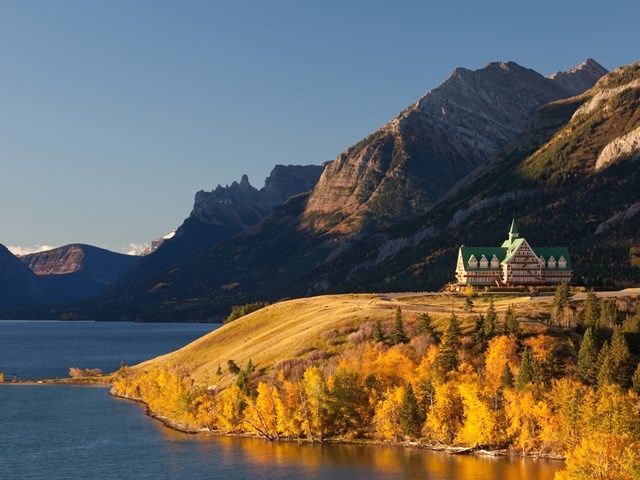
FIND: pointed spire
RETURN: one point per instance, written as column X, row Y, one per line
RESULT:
column 514, row 227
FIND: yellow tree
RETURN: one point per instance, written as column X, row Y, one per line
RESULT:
column 603, row 456
column 261, row 415
column 565, row 428
column 387, row 416
column 445, row 418
column 291, row 419
column 229, row 406
column 502, row 350
column 480, row 423
column 526, row 418
column 315, row 405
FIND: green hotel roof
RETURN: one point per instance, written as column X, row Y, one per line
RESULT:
column 504, row 254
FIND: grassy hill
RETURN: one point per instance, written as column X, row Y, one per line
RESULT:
column 308, row 330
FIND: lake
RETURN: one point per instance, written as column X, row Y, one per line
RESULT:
column 67, row 432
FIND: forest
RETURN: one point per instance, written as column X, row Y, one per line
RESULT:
column 571, row 390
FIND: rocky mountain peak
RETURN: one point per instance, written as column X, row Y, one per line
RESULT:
column 579, row 78
column 418, row 156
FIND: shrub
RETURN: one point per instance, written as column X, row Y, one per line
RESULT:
column 75, row 372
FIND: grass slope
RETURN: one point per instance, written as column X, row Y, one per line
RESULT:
column 308, row 327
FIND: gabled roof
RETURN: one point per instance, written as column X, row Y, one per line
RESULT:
column 557, row 252
column 477, row 252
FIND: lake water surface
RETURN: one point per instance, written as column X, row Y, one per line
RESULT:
column 64, row 432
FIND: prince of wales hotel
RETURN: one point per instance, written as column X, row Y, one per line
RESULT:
column 513, row 263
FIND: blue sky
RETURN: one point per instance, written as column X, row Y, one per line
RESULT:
column 115, row 113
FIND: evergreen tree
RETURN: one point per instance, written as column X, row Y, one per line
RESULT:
column 490, row 321
column 609, row 314
column 526, row 372
column 410, row 416
column 561, row 300
column 398, row 335
column 635, row 381
column 243, row 379
column 447, row 359
column 425, row 326
column 511, row 324
column 621, row 360
column 233, row 367
column 587, row 366
column 506, row 380
column 468, row 305
column 478, row 337
column 378, row 332
column 590, row 315
column 605, row 371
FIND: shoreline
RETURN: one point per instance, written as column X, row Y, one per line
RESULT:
column 451, row 450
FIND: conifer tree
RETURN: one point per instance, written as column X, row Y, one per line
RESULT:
column 621, row 360
column 605, row 371
column 635, row 380
column 609, row 314
column 398, row 335
column 478, row 336
column 447, row 359
column 527, row 369
column 425, row 325
column 490, row 321
column 506, row 380
column 590, row 314
column 560, row 301
column 511, row 324
column 587, row 365
column 468, row 305
column 410, row 416
column 378, row 332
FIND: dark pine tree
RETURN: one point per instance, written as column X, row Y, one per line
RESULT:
column 398, row 335
column 506, row 380
column 587, row 366
column 526, row 373
column 425, row 325
column 635, row 381
column 605, row 369
column 378, row 332
column 590, row 315
column 621, row 360
column 410, row 415
column 447, row 359
column 511, row 324
column 490, row 321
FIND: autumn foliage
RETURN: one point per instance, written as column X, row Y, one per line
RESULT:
column 518, row 392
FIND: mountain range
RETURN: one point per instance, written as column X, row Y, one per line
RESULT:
column 389, row 213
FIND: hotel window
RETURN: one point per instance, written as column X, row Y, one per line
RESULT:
column 484, row 263
column 562, row 263
column 552, row 262
column 473, row 263
column 494, row 262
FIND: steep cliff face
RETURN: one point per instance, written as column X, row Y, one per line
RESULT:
column 18, row 284
column 78, row 271
column 220, row 214
column 418, row 156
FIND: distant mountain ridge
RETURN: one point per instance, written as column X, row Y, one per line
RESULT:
column 218, row 215
column 78, row 271
column 18, row 284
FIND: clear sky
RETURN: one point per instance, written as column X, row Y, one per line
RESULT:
column 114, row 113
